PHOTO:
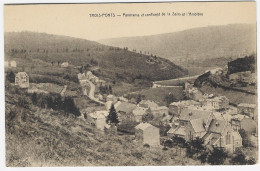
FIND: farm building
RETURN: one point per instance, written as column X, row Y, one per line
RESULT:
column 147, row 134
column 22, row 79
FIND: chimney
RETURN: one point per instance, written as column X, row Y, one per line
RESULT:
column 217, row 124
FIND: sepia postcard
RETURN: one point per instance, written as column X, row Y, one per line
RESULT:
column 130, row 84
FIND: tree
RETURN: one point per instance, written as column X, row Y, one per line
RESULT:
column 34, row 98
column 112, row 117
column 148, row 116
column 217, row 157
column 10, row 76
column 245, row 139
column 139, row 98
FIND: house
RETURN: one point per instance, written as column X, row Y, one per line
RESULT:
column 193, row 123
column 218, row 102
column 160, row 111
column 100, row 97
column 216, row 71
column 176, row 107
column 6, row 64
column 138, row 113
column 220, row 134
column 81, row 76
column 248, row 109
column 125, row 110
column 64, row 65
column 13, row 64
column 125, row 107
column 121, row 98
column 187, row 86
column 147, row 134
column 111, row 97
column 108, row 105
column 147, row 104
column 22, row 79
column 97, row 119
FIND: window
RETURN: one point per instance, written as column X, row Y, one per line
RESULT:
column 228, row 138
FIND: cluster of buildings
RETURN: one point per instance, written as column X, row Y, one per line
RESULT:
column 128, row 111
column 89, row 76
column 212, row 118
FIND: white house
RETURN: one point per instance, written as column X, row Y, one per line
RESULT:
column 147, row 134
column 97, row 119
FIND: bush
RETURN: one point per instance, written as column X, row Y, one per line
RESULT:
column 239, row 159
column 217, row 157
column 195, row 147
column 168, row 143
column 179, row 141
column 146, row 145
column 10, row 76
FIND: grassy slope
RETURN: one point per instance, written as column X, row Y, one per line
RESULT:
column 233, row 96
column 41, row 137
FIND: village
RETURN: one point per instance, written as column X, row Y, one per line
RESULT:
column 205, row 116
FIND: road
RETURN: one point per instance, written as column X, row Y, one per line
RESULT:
column 91, row 93
column 177, row 79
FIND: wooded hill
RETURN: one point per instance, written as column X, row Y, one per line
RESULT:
column 111, row 62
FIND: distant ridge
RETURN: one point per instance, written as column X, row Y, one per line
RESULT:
column 203, row 42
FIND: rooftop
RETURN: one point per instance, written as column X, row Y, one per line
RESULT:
column 143, row 126
column 217, row 126
column 125, row 107
column 194, row 113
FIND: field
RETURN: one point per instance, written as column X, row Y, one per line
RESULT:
column 158, row 94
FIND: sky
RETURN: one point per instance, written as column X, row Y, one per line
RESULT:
column 74, row 19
